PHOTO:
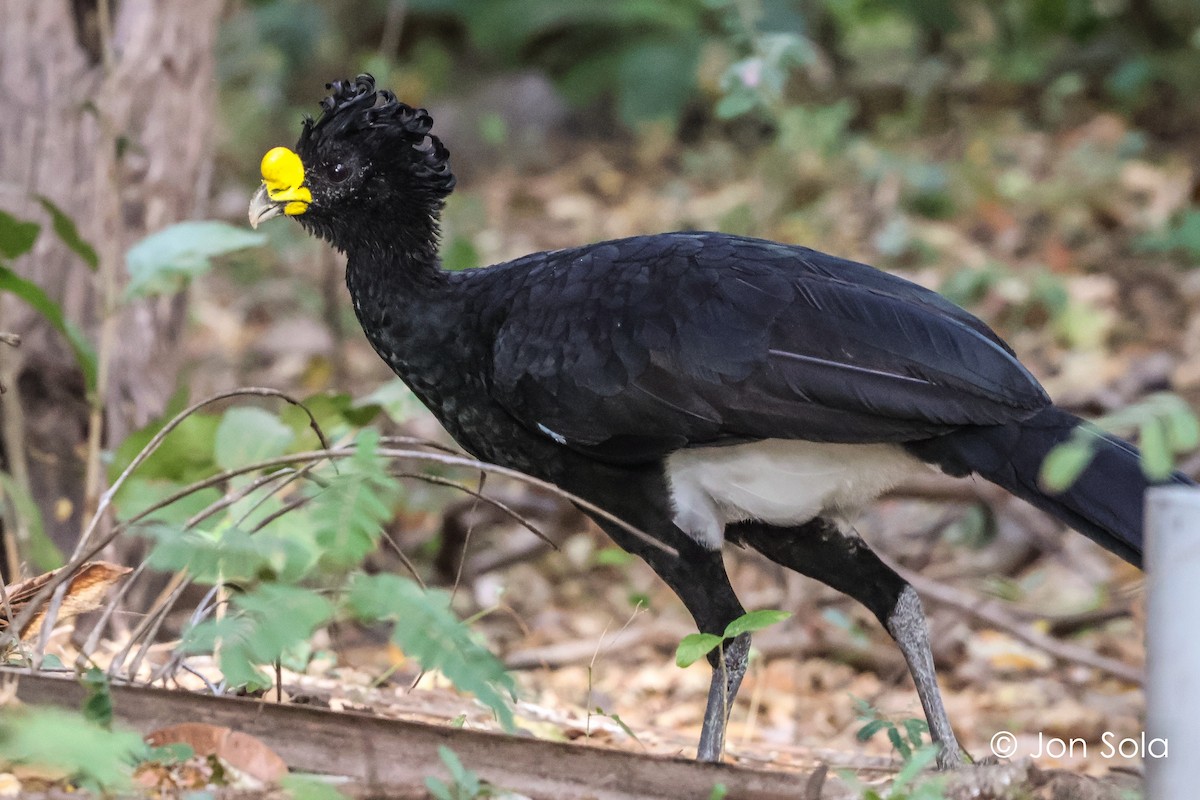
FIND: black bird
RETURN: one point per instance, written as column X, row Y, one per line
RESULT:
column 703, row 387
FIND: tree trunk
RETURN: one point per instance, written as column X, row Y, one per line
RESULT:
column 115, row 129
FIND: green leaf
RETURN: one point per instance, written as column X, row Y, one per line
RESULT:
column 349, row 516
column 755, row 621
column 65, row 228
column 1157, row 458
column 97, row 705
column 350, row 511
column 613, row 557
column 184, row 456
column 396, row 400
column 1065, row 463
column 916, row 730
column 898, row 743
column 139, row 494
column 738, row 101
column 337, row 414
column 427, row 630
column 438, row 788
column 912, row 767
column 247, row 435
column 309, row 787
column 234, row 634
column 63, row 739
column 621, row 724
column 170, row 754
column 41, row 550
column 863, row 709
column 466, row 780
column 229, row 555
column 267, row 621
column 32, row 294
column 694, row 647
column 165, row 261
column 1183, row 429
column 870, row 729
column 16, row 235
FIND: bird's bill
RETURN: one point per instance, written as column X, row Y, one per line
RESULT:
column 262, row 207
column 282, row 190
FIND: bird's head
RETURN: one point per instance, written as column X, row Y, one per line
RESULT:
column 368, row 160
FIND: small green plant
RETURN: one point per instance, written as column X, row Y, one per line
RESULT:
column 908, row 783
column 906, row 737
column 97, row 704
column 756, row 82
column 1166, row 427
column 696, row 646
column 620, row 723
column 89, row 754
column 908, row 740
column 288, row 520
column 464, row 783
column 300, row 786
column 84, row 745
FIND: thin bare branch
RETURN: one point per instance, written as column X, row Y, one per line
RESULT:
column 413, row 455
column 405, row 560
column 993, row 614
column 79, row 557
column 499, row 505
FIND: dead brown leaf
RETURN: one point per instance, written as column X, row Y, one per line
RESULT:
column 85, row 592
column 241, row 751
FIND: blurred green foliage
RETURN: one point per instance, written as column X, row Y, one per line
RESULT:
column 643, row 52
column 650, row 58
column 1180, row 237
column 283, row 527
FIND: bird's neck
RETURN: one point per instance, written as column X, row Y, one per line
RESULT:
column 397, row 288
column 413, row 316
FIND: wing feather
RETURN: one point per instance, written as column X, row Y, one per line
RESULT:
column 633, row 348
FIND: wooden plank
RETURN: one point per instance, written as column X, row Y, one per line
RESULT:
column 397, row 755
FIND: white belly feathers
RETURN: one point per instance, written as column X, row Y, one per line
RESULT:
column 778, row 481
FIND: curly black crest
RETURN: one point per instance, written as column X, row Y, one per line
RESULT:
column 357, row 108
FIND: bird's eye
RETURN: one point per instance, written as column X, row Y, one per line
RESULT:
column 337, row 171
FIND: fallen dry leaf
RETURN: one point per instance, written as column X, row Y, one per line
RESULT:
column 241, row 751
column 85, row 591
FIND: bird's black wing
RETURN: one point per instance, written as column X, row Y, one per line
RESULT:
column 630, row 349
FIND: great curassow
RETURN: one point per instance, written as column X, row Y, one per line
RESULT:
column 702, row 387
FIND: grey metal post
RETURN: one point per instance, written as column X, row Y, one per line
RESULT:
column 1173, row 642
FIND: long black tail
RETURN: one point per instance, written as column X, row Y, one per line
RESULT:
column 1105, row 503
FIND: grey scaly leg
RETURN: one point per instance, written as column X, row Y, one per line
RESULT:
column 906, row 624
column 697, row 575
column 726, row 680
column 844, row 562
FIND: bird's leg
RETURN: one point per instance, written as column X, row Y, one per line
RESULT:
column 728, row 670
column 906, row 624
column 697, row 575
column 844, row 562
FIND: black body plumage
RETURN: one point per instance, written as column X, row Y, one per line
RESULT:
column 591, row 366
